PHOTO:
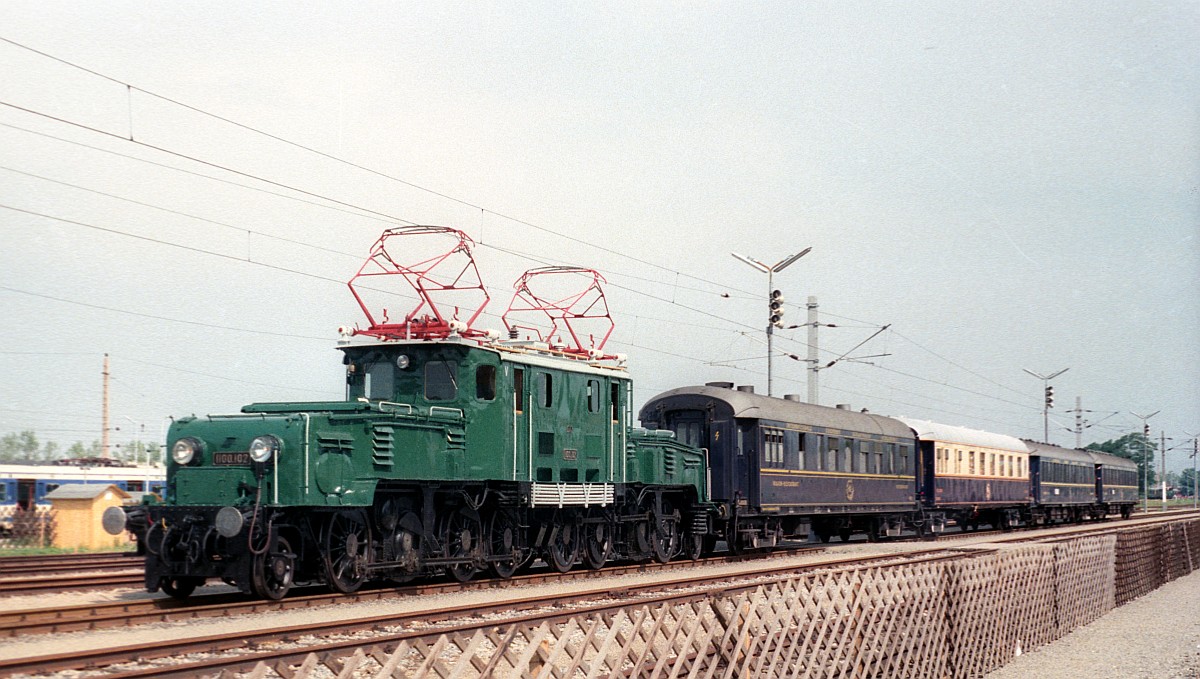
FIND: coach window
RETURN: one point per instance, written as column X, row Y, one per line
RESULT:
column 971, row 462
column 863, row 464
column 772, row 448
column 991, row 464
column 485, row 382
column 831, row 453
column 902, row 454
column 441, row 381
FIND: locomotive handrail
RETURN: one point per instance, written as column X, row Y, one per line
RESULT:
column 452, row 411
column 396, row 406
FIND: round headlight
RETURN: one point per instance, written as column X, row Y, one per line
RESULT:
column 184, row 450
column 402, row 361
column 263, row 447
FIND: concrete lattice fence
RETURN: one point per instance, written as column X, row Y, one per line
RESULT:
column 950, row 618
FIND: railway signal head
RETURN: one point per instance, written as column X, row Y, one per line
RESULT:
column 1049, row 396
column 776, row 307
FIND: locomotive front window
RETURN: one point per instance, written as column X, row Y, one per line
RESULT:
column 380, row 380
column 441, row 381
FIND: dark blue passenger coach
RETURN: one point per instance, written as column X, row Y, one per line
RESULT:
column 783, row 467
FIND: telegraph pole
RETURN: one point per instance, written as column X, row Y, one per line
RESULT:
column 814, row 385
column 1163, row 434
column 774, row 300
column 1195, row 477
column 104, row 417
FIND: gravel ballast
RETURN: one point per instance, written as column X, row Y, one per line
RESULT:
column 1154, row 637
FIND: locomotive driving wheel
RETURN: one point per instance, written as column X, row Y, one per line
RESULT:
column 562, row 547
column 507, row 550
column 664, row 532
column 273, row 571
column 462, row 535
column 598, row 541
column 346, row 541
column 180, row 587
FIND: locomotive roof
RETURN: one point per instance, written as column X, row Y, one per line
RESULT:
column 517, row 352
column 1047, row 450
column 948, row 433
column 750, row 405
column 1112, row 461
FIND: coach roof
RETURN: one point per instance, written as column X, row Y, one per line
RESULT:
column 1047, row 450
column 746, row 404
column 947, row 433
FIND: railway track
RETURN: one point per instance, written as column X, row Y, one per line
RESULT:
column 65, row 563
column 387, row 630
column 63, row 583
column 62, row 619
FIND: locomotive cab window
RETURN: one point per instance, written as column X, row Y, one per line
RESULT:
column 519, row 390
column 616, row 401
column 380, row 381
column 593, row 396
column 441, row 380
column 545, row 389
column 485, row 382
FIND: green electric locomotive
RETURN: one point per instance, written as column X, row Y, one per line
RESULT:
column 454, row 451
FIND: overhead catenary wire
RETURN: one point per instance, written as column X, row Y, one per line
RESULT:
column 376, row 214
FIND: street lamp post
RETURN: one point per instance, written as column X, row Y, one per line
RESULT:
column 1145, row 463
column 774, row 299
column 1049, row 402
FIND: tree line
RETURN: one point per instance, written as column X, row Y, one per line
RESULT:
column 25, row 448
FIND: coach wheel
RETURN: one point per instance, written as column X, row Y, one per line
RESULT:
column 562, row 548
column 694, row 544
column 505, row 544
column 273, row 571
column 1126, row 512
column 597, row 543
column 822, row 534
column 874, row 531
column 463, row 535
column 347, row 545
column 180, row 587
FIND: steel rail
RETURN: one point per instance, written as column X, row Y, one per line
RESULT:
column 538, row 608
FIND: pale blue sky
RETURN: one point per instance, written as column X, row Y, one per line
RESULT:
column 1009, row 185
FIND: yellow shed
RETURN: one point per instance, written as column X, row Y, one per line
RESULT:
column 77, row 511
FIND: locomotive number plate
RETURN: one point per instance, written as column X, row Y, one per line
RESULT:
column 570, row 454
column 231, row 459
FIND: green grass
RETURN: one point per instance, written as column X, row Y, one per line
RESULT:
column 42, row 551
